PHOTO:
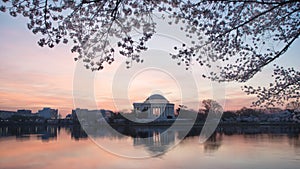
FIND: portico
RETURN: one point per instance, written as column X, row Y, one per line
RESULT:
column 155, row 106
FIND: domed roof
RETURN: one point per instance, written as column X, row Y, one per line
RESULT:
column 156, row 98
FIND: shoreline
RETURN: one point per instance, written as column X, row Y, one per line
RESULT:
column 153, row 124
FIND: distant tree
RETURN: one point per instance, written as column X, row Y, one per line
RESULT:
column 188, row 114
column 183, row 112
column 249, row 112
column 294, row 106
column 244, row 35
column 211, row 105
column 180, row 107
column 130, row 116
column 212, row 108
column 229, row 114
column 117, row 115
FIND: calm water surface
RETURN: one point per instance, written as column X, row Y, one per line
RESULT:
column 228, row 148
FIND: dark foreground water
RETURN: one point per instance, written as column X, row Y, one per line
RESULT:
column 251, row 147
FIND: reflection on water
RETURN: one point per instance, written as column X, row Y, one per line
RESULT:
column 155, row 137
column 156, row 140
column 280, row 143
column 213, row 143
column 44, row 133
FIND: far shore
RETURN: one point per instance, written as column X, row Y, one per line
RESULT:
column 198, row 124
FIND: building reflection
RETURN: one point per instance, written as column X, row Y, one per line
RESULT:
column 24, row 132
column 43, row 132
column 76, row 132
column 155, row 139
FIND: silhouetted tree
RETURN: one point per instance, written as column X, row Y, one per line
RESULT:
column 249, row 112
column 211, row 105
column 180, row 107
column 293, row 106
column 229, row 114
column 213, row 109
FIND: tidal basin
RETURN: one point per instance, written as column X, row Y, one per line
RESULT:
column 230, row 147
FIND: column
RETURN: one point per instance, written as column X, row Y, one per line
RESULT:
column 163, row 111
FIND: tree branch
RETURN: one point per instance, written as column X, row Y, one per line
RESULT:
column 114, row 12
column 45, row 14
column 282, row 51
column 248, row 1
column 252, row 19
column 258, row 68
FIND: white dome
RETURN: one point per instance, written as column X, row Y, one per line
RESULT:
column 156, row 98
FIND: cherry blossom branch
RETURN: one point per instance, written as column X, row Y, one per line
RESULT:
column 282, row 51
column 248, row 1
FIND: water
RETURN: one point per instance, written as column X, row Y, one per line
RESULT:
column 267, row 147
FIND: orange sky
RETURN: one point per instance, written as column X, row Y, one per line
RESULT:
column 33, row 77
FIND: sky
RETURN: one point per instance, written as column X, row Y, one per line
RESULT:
column 33, row 77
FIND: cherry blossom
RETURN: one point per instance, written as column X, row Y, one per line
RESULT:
column 245, row 35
